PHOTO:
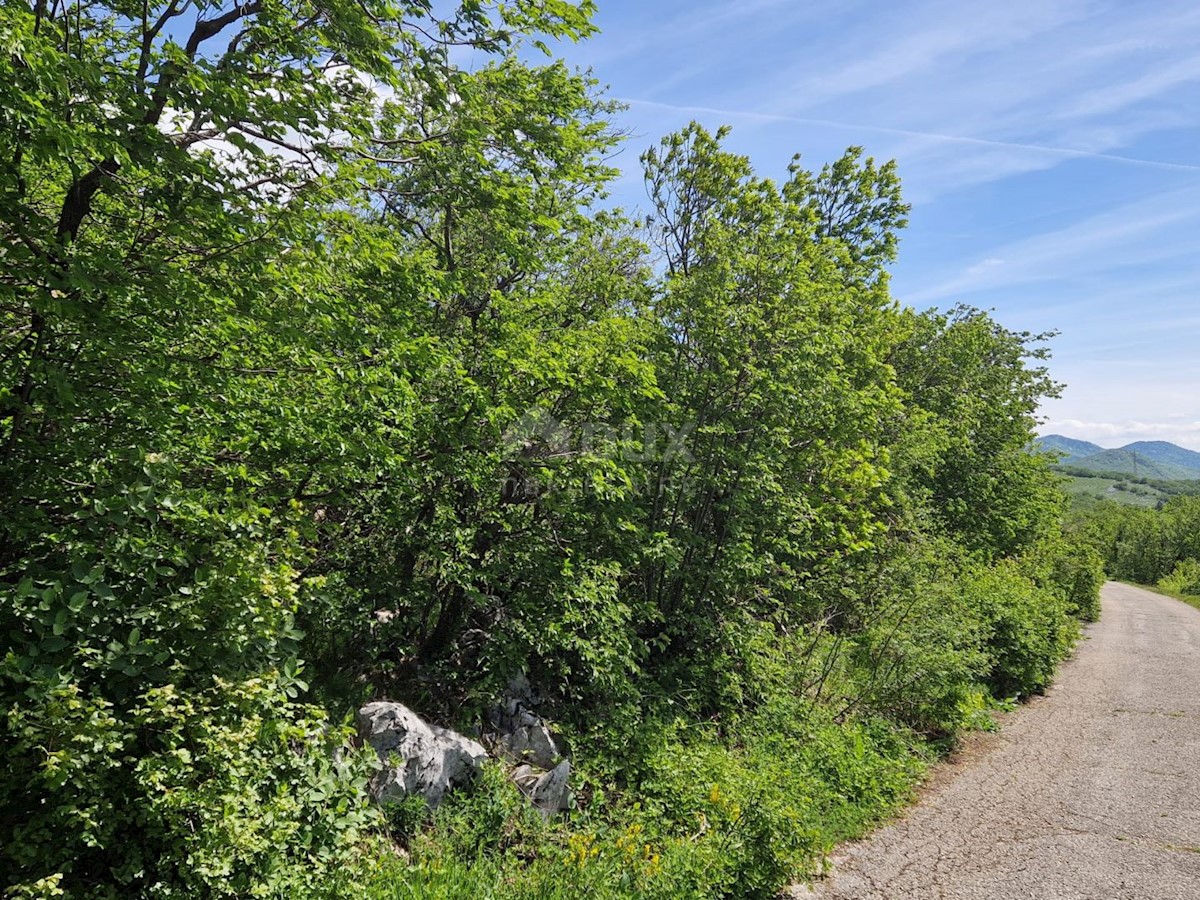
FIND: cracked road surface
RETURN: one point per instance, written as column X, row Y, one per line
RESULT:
column 1089, row 793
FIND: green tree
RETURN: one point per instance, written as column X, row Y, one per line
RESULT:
column 856, row 205
column 774, row 363
column 974, row 388
column 323, row 376
column 192, row 397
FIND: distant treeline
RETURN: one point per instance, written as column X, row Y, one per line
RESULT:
column 1175, row 488
column 1144, row 545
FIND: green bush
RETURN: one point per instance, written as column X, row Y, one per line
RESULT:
column 1079, row 573
column 233, row 791
column 1073, row 568
column 153, row 744
column 1184, row 579
column 1030, row 629
column 922, row 664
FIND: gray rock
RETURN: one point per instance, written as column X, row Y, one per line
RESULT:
column 524, row 777
column 417, row 758
column 513, row 709
column 551, row 793
column 530, row 743
column 520, row 735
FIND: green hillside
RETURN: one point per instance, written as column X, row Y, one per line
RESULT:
column 1159, row 460
column 1067, row 449
column 1166, row 452
column 1087, row 491
column 1087, row 488
column 1138, row 465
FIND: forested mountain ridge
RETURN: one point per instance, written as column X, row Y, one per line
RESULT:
column 1147, row 459
column 325, row 378
column 1068, row 449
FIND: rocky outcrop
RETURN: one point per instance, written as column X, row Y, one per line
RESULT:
column 530, row 742
column 524, row 739
column 552, row 793
column 422, row 759
column 417, row 758
column 549, row 791
column 520, row 735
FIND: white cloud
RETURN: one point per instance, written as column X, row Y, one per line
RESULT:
column 999, row 89
column 1111, row 98
column 923, row 39
column 1133, row 234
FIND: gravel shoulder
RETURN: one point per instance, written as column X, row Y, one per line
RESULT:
column 1089, row 793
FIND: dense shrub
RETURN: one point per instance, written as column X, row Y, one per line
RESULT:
column 924, row 664
column 717, row 814
column 1143, row 545
column 1184, row 578
column 229, row 792
column 1078, row 574
column 1029, row 629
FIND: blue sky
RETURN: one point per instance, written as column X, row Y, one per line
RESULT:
column 1050, row 149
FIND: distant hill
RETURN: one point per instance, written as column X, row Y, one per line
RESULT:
column 1127, row 462
column 1143, row 459
column 1163, row 452
column 1070, row 448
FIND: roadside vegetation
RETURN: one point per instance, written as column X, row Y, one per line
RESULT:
column 1154, row 547
column 325, row 376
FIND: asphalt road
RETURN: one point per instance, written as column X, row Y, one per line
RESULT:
column 1090, row 793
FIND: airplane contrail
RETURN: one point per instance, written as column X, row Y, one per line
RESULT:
column 905, row 132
